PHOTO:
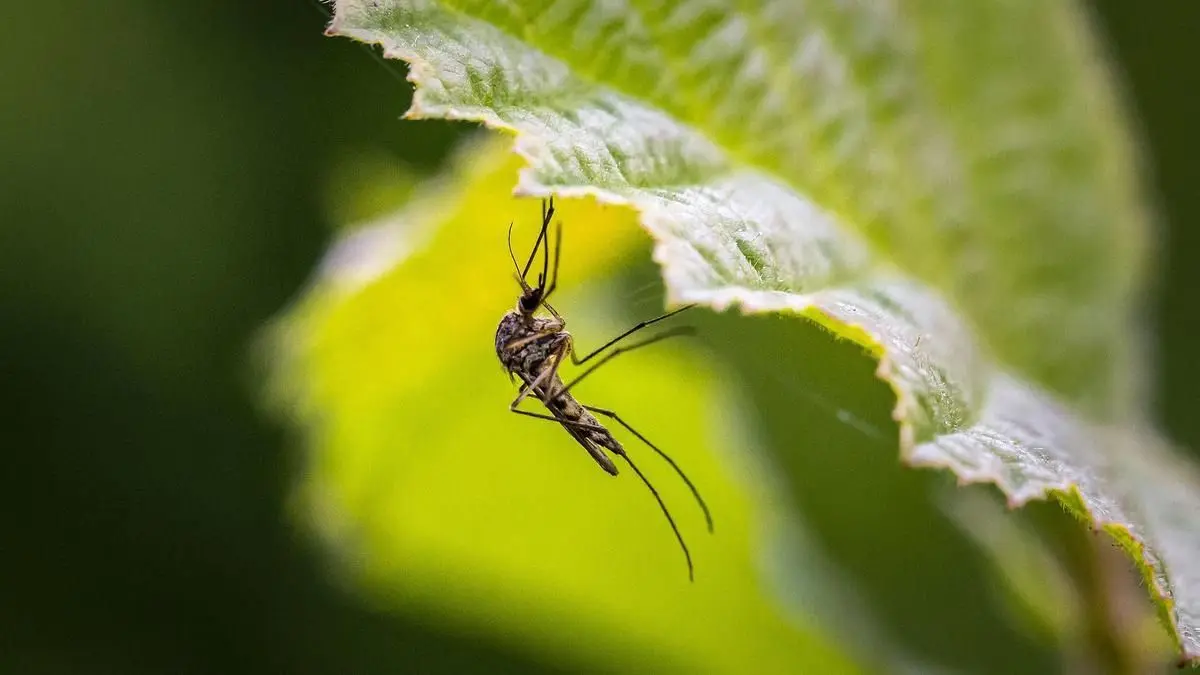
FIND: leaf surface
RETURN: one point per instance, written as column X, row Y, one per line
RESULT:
column 948, row 184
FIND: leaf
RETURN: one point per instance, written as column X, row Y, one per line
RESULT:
column 437, row 500
column 820, row 421
column 949, row 185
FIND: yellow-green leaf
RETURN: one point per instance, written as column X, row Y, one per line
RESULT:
column 439, row 498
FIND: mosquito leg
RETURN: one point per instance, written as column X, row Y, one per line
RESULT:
column 655, row 448
column 521, row 342
column 546, row 374
column 547, row 216
column 682, row 330
column 557, row 257
column 551, row 418
column 559, row 357
column 666, row 512
column 645, row 481
column 575, row 428
column 546, row 379
column 631, row 331
column 512, row 407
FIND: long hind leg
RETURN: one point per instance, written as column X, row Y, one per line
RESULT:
column 695, row 492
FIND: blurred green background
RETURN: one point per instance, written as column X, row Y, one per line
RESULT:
column 165, row 173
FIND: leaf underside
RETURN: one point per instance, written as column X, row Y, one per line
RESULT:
column 950, row 186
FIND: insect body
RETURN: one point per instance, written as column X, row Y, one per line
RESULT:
column 535, row 361
column 532, row 348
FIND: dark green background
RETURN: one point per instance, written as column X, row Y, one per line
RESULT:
column 161, row 173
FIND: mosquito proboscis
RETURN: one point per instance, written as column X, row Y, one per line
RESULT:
column 532, row 347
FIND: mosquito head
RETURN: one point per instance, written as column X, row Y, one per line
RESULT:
column 530, row 300
column 533, row 297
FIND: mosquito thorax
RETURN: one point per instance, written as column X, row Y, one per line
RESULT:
column 512, row 326
column 538, row 336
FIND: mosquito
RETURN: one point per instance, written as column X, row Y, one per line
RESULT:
column 532, row 348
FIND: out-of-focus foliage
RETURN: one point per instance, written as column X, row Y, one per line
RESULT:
column 950, row 186
column 162, row 172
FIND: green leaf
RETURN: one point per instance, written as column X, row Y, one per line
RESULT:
column 949, row 185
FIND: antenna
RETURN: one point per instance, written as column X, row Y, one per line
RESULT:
column 513, row 257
